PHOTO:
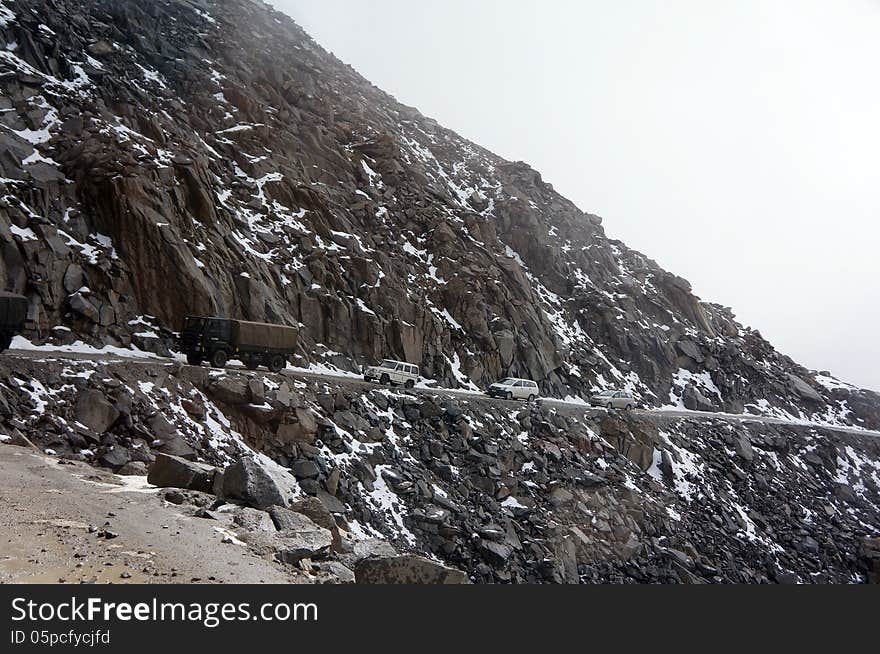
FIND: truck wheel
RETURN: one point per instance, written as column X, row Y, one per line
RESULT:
column 509, row 396
column 219, row 359
column 276, row 363
column 410, row 384
column 629, row 407
column 251, row 363
column 193, row 359
column 5, row 342
column 384, row 379
column 531, row 399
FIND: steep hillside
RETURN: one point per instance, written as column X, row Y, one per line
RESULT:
column 191, row 156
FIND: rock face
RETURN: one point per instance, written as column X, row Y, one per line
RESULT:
column 212, row 150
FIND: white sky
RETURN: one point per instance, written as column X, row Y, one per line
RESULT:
column 736, row 142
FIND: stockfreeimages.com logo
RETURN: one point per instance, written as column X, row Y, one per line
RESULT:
column 208, row 614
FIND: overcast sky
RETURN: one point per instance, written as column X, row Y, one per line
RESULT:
column 735, row 142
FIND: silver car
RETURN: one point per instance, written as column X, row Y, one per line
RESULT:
column 614, row 400
column 515, row 389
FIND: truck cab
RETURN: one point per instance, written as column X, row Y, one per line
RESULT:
column 201, row 337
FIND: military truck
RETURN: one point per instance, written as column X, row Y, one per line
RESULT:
column 13, row 314
column 217, row 340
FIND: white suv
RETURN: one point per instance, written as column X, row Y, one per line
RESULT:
column 393, row 372
column 614, row 400
column 514, row 389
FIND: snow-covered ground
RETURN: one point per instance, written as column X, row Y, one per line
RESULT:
column 21, row 343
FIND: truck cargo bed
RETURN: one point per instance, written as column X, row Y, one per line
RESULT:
column 257, row 335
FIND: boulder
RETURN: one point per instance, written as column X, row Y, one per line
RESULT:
column 406, row 569
column 73, row 278
column 694, row 400
column 372, row 548
column 95, row 412
column 333, row 504
column 114, row 457
column 334, row 572
column 85, row 308
column 869, row 550
column 175, row 445
column 170, row 471
column 690, row 349
column 284, row 396
column 100, row 48
column 743, row 448
column 303, row 430
column 803, row 389
column 254, row 520
column 306, row 469
column 288, row 520
column 133, row 469
column 314, row 509
column 496, row 553
column 230, row 391
column 259, row 484
column 257, row 390
column 300, row 538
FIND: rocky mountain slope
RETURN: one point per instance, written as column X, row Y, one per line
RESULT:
column 212, row 150
column 501, row 491
column 191, row 156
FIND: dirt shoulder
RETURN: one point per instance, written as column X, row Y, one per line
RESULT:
column 74, row 524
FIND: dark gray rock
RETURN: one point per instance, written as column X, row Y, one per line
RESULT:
column 744, row 448
column 306, row 541
column 85, row 308
column 170, row 471
column 259, row 485
column 254, row 520
column 373, row 548
column 114, row 457
column 95, row 412
column 133, row 469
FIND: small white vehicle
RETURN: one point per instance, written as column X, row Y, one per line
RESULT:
column 614, row 400
column 396, row 373
column 514, row 389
